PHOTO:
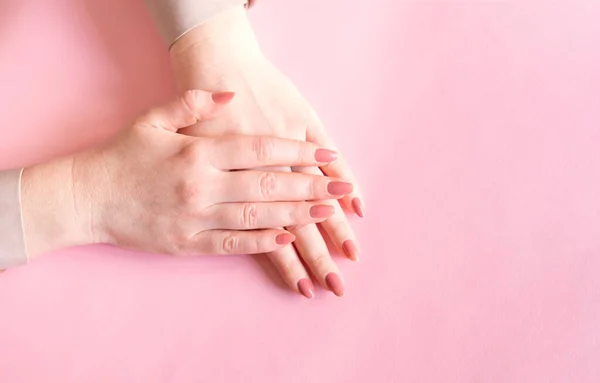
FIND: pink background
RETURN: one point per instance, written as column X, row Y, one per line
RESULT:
column 474, row 128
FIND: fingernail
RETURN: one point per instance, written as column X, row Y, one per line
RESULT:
column 325, row 155
column 350, row 249
column 306, row 288
column 223, row 97
column 358, row 207
column 321, row 211
column 339, row 188
column 334, row 283
column 284, row 239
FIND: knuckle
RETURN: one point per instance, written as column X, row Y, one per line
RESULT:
column 298, row 214
column 287, row 269
column 249, row 215
column 144, row 118
column 306, row 151
column 320, row 260
column 229, row 244
column 191, row 154
column 339, row 228
column 262, row 148
column 313, row 186
column 267, row 185
column 178, row 244
column 258, row 243
column 190, row 102
column 189, row 192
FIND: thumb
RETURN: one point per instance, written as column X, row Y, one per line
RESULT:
column 188, row 109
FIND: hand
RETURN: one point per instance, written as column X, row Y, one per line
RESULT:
column 155, row 190
column 222, row 55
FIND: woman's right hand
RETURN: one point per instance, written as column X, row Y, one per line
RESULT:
column 155, row 190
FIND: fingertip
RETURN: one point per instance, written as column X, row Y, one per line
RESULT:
column 321, row 211
column 222, row 97
column 306, row 288
column 358, row 207
column 334, row 284
column 350, row 250
column 326, row 156
column 285, row 238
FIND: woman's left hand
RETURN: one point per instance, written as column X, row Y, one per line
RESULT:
column 222, row 55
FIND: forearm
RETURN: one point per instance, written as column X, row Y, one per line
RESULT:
column 210, row 54
column 46, row 209
column 56, row 211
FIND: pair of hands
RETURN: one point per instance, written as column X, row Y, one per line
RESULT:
column 156, row 190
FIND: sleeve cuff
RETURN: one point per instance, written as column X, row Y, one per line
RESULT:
column 174, row 18
column 12, row 242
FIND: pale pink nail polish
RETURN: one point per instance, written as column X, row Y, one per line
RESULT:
column 321, row 211
column 350, row 250
column 306, row 288
column 358, row 207
column 334, row 283
column 339, row 188
column 284, row 239
column 223, row 97
column 325, row 155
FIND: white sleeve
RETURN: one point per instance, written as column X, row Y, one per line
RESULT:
column 12, row 242
column 174, row 18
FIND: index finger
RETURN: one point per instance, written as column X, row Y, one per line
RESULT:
column 248, row 152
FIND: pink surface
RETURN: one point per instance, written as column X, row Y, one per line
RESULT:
column 474, row 128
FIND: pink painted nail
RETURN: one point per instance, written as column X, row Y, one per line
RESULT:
column 334, row 283
column 223, row 97
column 284, row 239
column 358, row 207
column 321, row 211
column 350, row 249
column 325, row 155
column 306, row 288
column 339, row 188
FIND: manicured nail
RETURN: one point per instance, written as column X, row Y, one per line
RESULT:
column 358, row 207
column 284, row 239
column 350, row 250
column 223, row 97
column 321, row 211
column 339, row 188
column 334, row 283
column 325, row 155
column 306, row 288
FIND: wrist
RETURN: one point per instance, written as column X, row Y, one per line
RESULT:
column 57, row 208
column 207, row 56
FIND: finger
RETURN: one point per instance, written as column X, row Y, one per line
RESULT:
column 313, row 250
column 190, row 108
column 239, row 242
column 267, row 186
column 290, row 267
column 287, row 262
column 247, row 152
column 339, row 169
column 250, row 215
column 337, row 227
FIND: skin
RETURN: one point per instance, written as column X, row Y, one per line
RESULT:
column 223, row 55
column 156, row 190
